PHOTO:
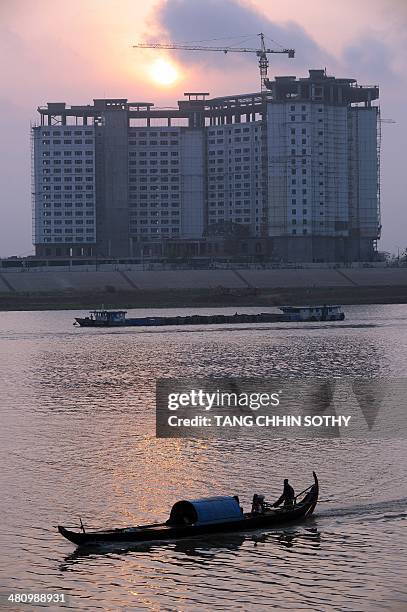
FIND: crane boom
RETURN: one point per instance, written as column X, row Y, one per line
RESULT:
column 261, row 53
column 203, row 48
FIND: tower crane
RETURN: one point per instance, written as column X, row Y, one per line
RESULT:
column 262, row 53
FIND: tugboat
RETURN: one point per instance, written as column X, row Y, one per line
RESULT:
column 103, row 318
column 313, row 313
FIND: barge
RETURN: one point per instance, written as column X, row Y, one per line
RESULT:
column 117, row 318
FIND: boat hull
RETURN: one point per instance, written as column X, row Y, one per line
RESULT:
column 163, row 531
column 87, row 322
column 203, row 320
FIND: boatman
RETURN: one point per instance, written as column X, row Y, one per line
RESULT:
column 288, row 496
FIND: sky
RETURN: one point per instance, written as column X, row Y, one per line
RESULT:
column 75, row 50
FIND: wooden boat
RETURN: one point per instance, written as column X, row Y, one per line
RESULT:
column 200, row 517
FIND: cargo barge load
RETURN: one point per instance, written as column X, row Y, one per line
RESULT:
column 117, row 318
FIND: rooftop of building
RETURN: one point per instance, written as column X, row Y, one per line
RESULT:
column 317, row 87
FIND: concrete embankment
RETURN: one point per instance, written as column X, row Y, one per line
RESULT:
column 27, row 290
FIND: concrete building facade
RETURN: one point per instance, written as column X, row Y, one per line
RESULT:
column 64, row 186
column 292, row 173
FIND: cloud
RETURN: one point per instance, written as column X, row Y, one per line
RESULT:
column 195, row 20
column 374, row 60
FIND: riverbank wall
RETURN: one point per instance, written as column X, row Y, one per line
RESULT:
column 30, row 290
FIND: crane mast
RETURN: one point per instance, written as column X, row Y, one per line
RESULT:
column 262, row 53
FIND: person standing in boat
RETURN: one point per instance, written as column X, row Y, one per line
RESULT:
column 288, row 496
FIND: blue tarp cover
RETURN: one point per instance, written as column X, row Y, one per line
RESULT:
column 209, row 510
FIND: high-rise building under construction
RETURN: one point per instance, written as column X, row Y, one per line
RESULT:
column 291, row 173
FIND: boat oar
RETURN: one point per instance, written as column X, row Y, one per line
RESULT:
column 304, row 491
column 82, row 527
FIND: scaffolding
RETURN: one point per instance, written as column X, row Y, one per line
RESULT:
column 34, row 194
column 378, row 153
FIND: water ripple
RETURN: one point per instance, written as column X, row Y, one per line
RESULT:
column 77, row 440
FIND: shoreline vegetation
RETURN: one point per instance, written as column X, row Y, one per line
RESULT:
column 203, row 298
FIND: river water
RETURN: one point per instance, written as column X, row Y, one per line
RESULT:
column 78, row 439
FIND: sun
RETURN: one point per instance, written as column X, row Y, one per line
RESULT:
column 164, row 72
